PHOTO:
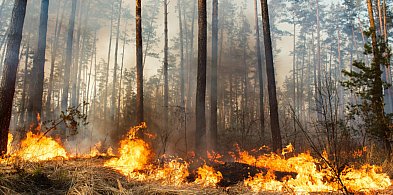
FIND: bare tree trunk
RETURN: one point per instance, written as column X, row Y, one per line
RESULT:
column 77, row 50
column 83, row 50
column 200, row 134
column 213, row 90
column 319, row 86
column 139, row 64
column 294, row 72
column 107, row 66
column 260, row 74
column 166, row 85
column 191, row 60
column 182, row 80
column 274, row 121
column 90, row 70
column 121, row 79
column 37, row 86
column 113, row 100
column 68, row 60
column 7, row 86
column 23, row 100
column 55, row 46
column 181, row 37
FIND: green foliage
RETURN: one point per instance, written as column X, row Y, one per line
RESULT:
column 366, row 83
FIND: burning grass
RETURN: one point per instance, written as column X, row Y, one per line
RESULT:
column 85, row 176
column 42, row 165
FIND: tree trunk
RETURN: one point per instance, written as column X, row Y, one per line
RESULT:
column 55, row 46
column 68, row 60
column 181, row 37
column 139, row 64
column 166, row 85
column 377, row 99
column 319, row 99
column 23, row 100
column 37, row 86
column 274, row 121
column 294, row 73
column 121, row 79
column 191, row 60
column 113, row 100
column 77, row 50
column 260, row 73
column 107, row 66
column 200, row 134
column 7, row 86
column 213, row 90
column 182, row 80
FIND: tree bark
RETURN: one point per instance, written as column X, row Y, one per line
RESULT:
column 274, row 121
column 107, row 65
column 68, row 60
column 121, row 79
column 113, row 100
column 377, row 94
column 181, row 37
column 37, row 87
column 166, row 85
column 319, row 99
column 23, row 100
column 75, row 66
column 260, row 74
column 213, row 90
column 55, row 47
column 139, row 64
column 200, row 134
column 7, row 86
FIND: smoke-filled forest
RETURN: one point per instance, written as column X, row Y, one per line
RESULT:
column 196, row 97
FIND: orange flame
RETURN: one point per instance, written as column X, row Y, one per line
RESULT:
column 310, row 178
column 9, row 143
column 37, row 147
column 134, row 153
column 207, row 176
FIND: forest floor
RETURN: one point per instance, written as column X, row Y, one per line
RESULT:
column 89, row 176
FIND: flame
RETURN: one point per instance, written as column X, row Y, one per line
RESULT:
column 95, row 151
column 365, row 179
column 9, row 143
column 207, row 176
column 173, row 173
column 135, row 157
column 215, row 157
column 134, row 153
column 310, row 178
column 266, row 182
column 37, row 147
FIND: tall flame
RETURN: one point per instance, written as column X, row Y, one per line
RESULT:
column 9, row 143
column 134, row 153
column 135, row 157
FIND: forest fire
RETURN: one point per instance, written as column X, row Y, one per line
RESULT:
column 136, row 162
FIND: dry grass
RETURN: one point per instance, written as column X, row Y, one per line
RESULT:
column 86, row 176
